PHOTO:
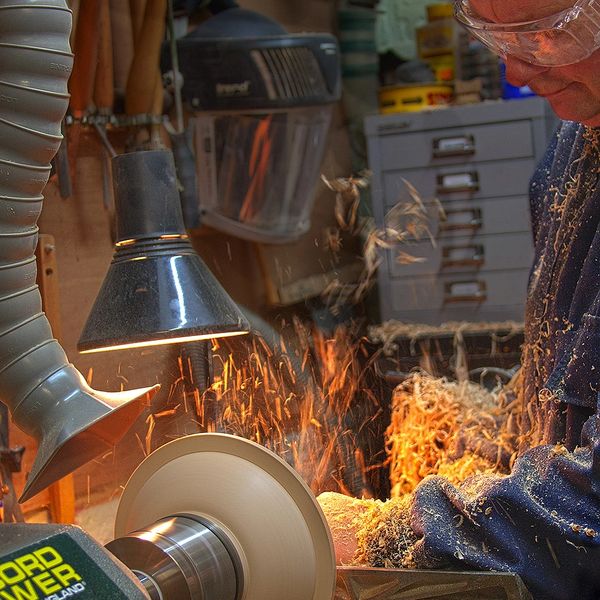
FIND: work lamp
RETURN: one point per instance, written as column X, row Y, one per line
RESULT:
column 158, row 290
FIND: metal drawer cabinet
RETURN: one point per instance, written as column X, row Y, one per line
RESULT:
column 460, row 182
column 451, row 312
column 479, row 253
column 477, row 162
column 476, row 143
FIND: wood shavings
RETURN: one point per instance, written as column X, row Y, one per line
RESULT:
column 389, row 332
column 350, row 521
column 440, row 428
column 407, row 221
column 389, row 541
column 403, row 258
column 347, row 198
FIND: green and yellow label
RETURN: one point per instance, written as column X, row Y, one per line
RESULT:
column 55, row 570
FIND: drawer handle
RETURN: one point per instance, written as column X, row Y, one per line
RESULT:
column 465, row 291
column 462, row 145
column 470, row 219
column 458, row 182
column 468, row 255
column 391, row 128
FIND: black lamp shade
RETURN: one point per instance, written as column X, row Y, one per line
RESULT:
column 157, row 290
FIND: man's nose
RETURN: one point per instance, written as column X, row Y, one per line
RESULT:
column 521, row 73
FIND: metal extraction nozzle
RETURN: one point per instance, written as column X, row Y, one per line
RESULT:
column 47, row 397
column 73, row 424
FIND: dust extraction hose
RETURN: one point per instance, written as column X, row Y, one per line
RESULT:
column 47, row 397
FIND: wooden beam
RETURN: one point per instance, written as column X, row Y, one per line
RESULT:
column 62, row 493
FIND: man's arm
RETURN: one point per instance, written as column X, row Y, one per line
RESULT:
column 542, row 522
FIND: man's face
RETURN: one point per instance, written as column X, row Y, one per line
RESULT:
column 574, row 90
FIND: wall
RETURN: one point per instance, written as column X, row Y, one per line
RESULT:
column 81, row 226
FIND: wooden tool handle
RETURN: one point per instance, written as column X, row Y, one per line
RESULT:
column 122, row 36
column 74, row 6
column 104, row 89
column 87, row 38
column 137, row 10
column 141, row 85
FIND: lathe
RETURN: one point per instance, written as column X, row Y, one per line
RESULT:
column 207, row 516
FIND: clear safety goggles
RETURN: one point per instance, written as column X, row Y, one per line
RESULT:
column 565, row 38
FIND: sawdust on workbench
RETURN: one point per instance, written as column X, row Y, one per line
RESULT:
column 460, row 431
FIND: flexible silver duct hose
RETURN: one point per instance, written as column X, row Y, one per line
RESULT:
column 47, row 397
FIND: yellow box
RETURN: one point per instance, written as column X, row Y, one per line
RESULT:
column 414, row 97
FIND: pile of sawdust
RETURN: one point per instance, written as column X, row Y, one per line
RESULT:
column 438, row 427
column 369, row 532
column 388, row 542
column 445, row 428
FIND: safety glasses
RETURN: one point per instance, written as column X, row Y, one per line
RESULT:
column 562, row 39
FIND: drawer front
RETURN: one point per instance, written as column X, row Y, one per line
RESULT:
column 461, row 183
column 479, row 217
column 466, row 290
column 456, row 313
column 457, row 145
column 457, row 255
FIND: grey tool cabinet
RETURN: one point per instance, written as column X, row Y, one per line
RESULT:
column 477, row 161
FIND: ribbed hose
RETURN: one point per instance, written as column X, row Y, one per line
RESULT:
column 47, row 397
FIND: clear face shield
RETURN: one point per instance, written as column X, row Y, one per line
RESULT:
column 565, row 38
column 257, row 172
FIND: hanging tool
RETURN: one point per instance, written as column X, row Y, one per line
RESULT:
column 81, row 83
column 143, row 96
column 74, row 6
column 87, row 41
column 137, row 9
column 140, row 33
column 185, row 162
column 104, row 91
column 104, row 97
column 123, row 45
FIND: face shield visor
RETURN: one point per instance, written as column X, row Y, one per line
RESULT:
column 257, row 171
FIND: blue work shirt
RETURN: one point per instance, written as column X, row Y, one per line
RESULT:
column 543, row 520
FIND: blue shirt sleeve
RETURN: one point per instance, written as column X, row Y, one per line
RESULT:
column 541, row 522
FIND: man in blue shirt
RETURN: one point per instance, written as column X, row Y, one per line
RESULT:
column 543, row 520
